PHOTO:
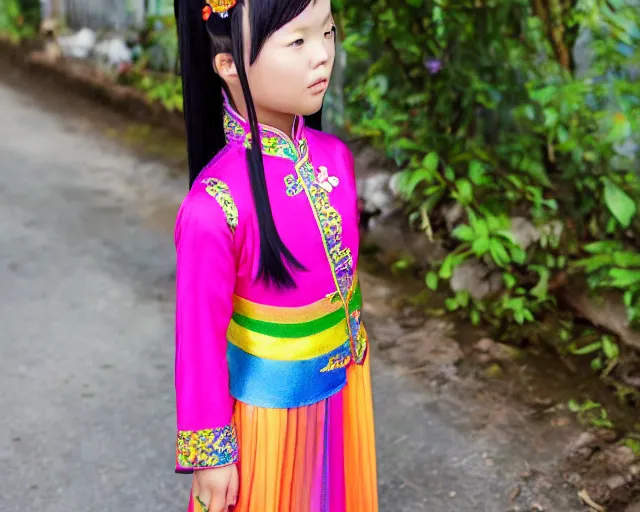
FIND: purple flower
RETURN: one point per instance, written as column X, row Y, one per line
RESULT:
column 433, row 65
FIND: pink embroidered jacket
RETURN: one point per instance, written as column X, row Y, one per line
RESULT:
column 238, row 339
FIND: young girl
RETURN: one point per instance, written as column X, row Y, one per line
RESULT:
column 273, row 389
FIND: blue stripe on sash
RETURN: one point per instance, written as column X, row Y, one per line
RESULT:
column 284, row 384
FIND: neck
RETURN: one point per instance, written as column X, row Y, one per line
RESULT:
column 277, row 120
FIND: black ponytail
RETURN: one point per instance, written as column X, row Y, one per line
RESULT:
column 202, row 88
column 203, row 109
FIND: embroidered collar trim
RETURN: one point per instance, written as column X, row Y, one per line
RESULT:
column 274, row 141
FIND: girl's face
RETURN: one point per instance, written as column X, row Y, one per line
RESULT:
column 292, row 71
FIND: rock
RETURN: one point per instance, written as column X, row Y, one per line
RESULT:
column 553, row 229
column 616, row 481
column 620, row 457
column 494, row 371
column 429, row 347
column 424, row 251
column 484, row 358
column 475, row 277
column 574, row 479
column 585, row 440
column 113, row 52
column 368, row 160
column 605, row 310
column 634, row 507
column 379, row 193
column 484, row 345
column 634, row 470
column 390, row 237
column 453, row 214
column 524, row 232
column 493, row 351
column 606, row 435
column 506, row 353
column 395, row 239
column 78, row 45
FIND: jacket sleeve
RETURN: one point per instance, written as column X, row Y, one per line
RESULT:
column 205, row 281
column 349, row 166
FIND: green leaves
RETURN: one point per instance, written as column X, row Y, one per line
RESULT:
column 621, row 206
column 432, row 280
column 475, row 108
column 620, row 128
column 430, row 162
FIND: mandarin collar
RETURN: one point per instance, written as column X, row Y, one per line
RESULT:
column 274, row 142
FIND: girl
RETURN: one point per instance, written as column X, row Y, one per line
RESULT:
column 273, row 390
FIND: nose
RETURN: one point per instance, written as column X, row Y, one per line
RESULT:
column 320, row 55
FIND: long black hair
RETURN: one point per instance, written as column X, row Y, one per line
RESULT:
column 199, row 42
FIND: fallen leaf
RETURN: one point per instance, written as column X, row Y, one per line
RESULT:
column 584, row 496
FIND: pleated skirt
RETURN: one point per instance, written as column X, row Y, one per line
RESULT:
column 318, row 458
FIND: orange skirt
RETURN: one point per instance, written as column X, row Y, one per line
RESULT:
column 318, row 458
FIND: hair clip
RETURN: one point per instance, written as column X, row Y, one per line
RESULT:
column 220, row 7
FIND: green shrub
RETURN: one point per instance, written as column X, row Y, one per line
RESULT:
column 482, row 103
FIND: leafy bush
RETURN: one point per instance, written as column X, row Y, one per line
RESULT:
column 484, row 104
column 17, row 20
column 154, row 71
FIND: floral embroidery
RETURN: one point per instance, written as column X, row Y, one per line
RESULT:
column 327, row 182
column 233, row 129
column 358, row 334
column 293, row 184
column 361, row 345
column 207, row 448
column 337, row 362
column 274, row 142
column 355, row 322
column 274, row 145
column 220, row 191
column 331, row 225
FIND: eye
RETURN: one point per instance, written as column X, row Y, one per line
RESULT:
column 331, row 32
column 297, row 43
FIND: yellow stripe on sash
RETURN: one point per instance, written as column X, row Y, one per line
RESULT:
column 282, row 315
column 293, row 315
column 288, row 349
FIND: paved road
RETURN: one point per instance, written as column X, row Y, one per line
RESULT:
column 86, row 348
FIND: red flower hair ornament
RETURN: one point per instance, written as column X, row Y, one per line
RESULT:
column 220, row 7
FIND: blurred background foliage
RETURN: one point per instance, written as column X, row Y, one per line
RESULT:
column 19, row 19
column 508, row 108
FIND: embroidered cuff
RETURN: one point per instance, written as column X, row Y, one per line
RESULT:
column 206, row 448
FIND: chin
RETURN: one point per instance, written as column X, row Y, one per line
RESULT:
column 311, row 107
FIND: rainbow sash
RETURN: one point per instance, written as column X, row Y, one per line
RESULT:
column 289, row 357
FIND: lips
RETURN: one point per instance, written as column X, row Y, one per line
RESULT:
column 318, row 81
column 319, row 85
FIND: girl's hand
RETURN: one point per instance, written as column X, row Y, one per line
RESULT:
column 216, row 489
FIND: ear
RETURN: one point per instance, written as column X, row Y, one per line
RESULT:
column 224, row 65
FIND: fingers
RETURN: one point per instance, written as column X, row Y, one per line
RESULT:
column 201, row 503
column 216, row 489
column 232, row 490
column 218, row 503
column 214, row 503
column 214, row 499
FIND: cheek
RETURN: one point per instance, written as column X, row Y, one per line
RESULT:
column 289, row 68
column 281, row 70
column 332, row 54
